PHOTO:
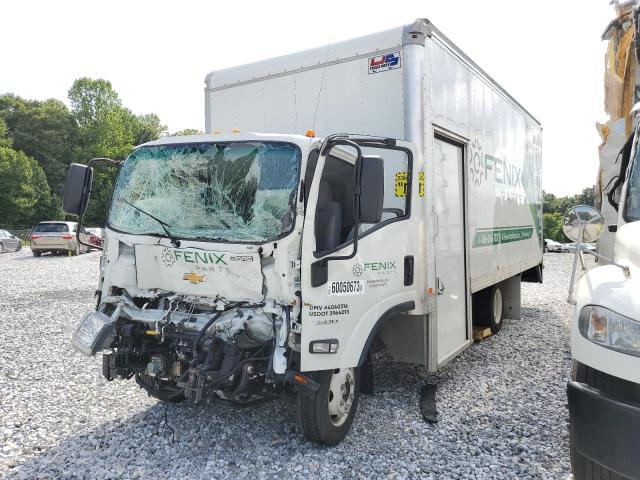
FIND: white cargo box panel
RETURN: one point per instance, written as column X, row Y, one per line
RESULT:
column 325, row 88
column 369, row 86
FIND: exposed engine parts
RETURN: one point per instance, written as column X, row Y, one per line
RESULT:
column 181, row 347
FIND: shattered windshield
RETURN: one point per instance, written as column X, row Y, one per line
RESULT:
column 632, row 203
column 234, row 192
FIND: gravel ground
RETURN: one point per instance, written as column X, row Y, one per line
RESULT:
column 502, row 403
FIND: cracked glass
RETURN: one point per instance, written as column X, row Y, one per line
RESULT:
column 232, row 192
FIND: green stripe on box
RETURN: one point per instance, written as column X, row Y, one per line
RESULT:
column 484, row 238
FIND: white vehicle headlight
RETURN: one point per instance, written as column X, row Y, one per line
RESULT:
column 94, row 333
column 610, row 329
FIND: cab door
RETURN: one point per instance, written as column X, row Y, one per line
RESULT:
column 339, row 314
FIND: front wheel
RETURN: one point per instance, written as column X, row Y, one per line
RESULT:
column 326, row 415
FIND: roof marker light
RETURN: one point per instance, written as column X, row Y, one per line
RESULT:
column 310, row 133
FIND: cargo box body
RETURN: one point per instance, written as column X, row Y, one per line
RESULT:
column 479, row 211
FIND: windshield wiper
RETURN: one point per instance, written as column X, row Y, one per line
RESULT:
column 174, row 241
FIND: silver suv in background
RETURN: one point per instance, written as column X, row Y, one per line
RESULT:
column 57, row 237
column 9, row 242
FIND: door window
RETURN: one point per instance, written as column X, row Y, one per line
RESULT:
column 397, row 184
column 334, row 223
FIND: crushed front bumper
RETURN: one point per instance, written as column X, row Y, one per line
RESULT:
column 605, row 430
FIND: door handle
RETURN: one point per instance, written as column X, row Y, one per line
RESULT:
column 439, row 286
column 408, row 270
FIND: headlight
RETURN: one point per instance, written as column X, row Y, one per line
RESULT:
column 609, row 329
column 94, row 333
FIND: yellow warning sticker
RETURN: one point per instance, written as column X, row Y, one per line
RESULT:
column 402, row 184
column 421, row 184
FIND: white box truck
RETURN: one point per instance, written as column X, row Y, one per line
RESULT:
column 240, row 266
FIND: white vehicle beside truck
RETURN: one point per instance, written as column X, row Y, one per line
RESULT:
column 244, row 266
column 604, row 393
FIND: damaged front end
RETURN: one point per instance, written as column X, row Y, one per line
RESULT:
column 181, row 347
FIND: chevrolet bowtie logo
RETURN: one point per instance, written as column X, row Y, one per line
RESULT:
column 193, row 277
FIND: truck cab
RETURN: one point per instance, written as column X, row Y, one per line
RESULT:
column 235, row 267
column 604, row 393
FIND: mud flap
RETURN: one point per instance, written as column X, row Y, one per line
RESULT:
column 366, row 376
column 427, row 402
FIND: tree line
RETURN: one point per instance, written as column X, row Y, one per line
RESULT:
column 40, row 139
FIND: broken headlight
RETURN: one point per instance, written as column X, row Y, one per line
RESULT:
column 94, row 333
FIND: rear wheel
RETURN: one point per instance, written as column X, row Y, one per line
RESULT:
column 488, row 308
column 19, row 247
column 496, row 310
column 326, row 415
column 165, row 391
column 1, row 248
column 36, row 253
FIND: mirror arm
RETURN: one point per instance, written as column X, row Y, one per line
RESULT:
column 624, row 268
column 570, row 299
column 323, row 262
column 90, row 163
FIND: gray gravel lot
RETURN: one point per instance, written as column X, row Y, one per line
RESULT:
column 501, row 403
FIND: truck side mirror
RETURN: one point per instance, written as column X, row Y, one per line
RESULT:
column 77, row 189
column 371, row 189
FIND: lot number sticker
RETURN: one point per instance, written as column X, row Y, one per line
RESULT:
column 347, row 287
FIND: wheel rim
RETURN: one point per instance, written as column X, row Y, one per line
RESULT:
column 341, row 393
column 497, row 306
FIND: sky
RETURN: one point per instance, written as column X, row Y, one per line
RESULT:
column 547, row 54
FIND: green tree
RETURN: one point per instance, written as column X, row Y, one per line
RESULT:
column 45, row 131
column 186, row 131
column 106, row 129
column 5, row 140
column 553, row 227
column 146, row 128
column 586, row 197
column 24, row 192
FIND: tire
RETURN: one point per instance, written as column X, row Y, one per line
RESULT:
column 485, row 312
column 582, row 467
column 163, row 391
column 36, row 253
column 19, row 247
column 496, row 309
column 75, row 252
column 326, row 415
column 1, row 247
